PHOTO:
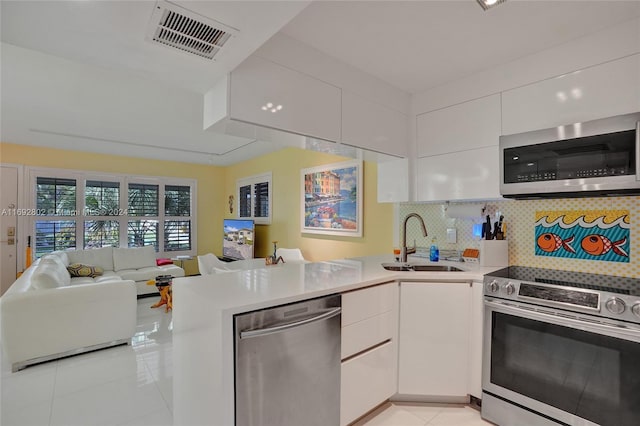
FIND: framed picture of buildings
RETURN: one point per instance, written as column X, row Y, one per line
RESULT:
column 332, row 199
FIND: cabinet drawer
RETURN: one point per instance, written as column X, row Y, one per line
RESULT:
column 362, row 304
column 367, row 380
column 367, row 333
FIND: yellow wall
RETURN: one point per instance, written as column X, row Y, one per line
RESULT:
column 212, row 200
column 285, row 166
column 208, row 202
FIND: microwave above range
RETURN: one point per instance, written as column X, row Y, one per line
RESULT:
column 593, row 158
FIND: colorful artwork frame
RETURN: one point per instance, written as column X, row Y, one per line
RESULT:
column 331, row 199
column 600, row 235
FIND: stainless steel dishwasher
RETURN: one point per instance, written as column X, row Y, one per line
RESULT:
column 287, row 365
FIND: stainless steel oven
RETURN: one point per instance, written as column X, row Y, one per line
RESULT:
column 561, row 348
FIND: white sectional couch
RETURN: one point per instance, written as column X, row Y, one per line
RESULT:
column 137, row 264
column 47, row 314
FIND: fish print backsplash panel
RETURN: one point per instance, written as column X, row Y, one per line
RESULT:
column 593, row 235
column 520, row 218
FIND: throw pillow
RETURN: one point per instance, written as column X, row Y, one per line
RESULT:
column 164, row 261
column 80, row 270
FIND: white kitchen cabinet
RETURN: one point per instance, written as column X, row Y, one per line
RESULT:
column 464, row 175
column 469, row 125
column 393, row 181
column 474, row 385
column 368, row 379
column 369, row 349
column 596, row 92
column 434, row 339
column 369, row 125
column 309, row 106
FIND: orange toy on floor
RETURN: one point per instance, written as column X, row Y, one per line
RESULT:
column 163, row 283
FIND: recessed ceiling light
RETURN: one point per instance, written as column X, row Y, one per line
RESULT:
column 486, row 4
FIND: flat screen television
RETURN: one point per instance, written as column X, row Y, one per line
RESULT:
column 238, row 240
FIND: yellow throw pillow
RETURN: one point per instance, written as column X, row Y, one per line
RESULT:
column 80, row 270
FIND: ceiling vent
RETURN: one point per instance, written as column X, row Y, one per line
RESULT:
column 176, row 27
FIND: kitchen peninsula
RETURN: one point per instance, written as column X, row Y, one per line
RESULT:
column 204, row 307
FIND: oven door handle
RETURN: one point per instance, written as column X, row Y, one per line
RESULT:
column 626, row 332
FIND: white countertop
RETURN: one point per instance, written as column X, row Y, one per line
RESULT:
column 203, row 309
column 252, row 285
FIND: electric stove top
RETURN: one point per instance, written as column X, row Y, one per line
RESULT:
column 595, row 294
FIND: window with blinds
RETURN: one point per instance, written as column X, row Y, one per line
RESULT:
column 177, row 200
column 261, row 197
column 244, row 200
column 143, row 199
column 55, row 196
column 254, row 198
column 78, row 210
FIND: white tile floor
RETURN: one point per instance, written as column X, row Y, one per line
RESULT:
column 126, row 385
column 413, row 414
column 133, row 385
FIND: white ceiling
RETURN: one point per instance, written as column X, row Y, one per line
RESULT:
column 80, row 75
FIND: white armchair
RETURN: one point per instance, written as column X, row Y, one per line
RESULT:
column 293, row 255
column 210, row 264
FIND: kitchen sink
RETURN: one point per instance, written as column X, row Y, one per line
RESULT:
column 419, row 267
column 397, row 267
column 435, row 268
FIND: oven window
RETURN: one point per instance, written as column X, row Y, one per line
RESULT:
column 590, row 375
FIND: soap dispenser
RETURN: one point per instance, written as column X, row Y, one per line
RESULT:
column 434, row 253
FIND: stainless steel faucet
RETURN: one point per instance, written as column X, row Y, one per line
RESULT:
column 404, row 251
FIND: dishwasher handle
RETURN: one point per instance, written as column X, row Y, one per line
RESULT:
column 324, row 315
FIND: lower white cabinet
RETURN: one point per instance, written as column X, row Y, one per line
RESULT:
column 368, row 379
column 474, row 385
column 434, row 339
column 369, row 349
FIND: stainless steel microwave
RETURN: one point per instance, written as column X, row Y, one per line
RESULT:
column 593, row 158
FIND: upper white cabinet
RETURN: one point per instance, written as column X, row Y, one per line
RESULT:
column 393, row 181
column 469, row 125
column 265, row 93
column 596, row 92
column 458, row 151
column 464, row 175
column 369, row 125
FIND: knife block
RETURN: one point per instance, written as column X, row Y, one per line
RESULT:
column 494, row 252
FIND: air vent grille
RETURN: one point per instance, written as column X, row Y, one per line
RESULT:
column 179, row 28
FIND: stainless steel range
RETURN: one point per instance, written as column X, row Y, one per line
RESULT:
column 561, row 348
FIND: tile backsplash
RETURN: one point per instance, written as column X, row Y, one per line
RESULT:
column 519, row 216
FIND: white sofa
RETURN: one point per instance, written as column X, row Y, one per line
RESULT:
column 47, row 314
column 137, row 264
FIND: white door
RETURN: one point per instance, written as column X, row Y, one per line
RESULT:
column 8, row 227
